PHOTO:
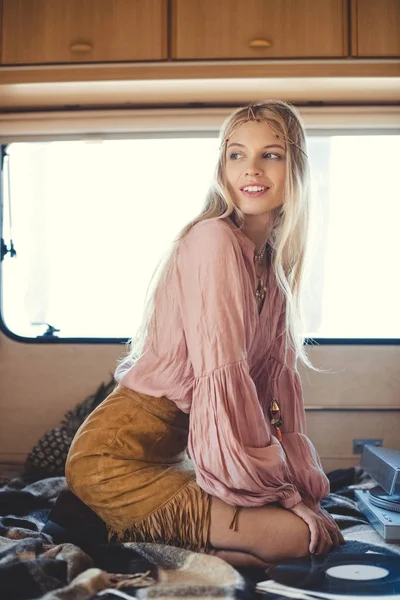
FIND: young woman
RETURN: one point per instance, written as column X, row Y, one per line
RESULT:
column 202, row 444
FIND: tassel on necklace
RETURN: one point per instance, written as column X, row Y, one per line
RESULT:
column 275, row 418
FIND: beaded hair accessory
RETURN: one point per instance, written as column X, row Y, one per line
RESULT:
column 251, row 117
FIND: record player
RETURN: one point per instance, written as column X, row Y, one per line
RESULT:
column 332, row 577
column 373, row 575
column 381, row 503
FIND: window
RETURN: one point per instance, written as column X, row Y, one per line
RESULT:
column 90, row 220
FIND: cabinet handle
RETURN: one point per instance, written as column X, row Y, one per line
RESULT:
column 260, row 44
column 80, row 47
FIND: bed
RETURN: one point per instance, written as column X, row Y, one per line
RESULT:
column 38, row 560
column 53, row 550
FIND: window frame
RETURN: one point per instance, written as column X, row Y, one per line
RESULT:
column 148, row 123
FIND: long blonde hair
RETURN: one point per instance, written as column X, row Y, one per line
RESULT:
column 288, row 238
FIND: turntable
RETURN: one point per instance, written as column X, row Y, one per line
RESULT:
column 381, row 504
column 344, row 577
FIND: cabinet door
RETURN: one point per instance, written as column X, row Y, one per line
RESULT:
column 258, row 28
column 69, row 31
column 376, row 27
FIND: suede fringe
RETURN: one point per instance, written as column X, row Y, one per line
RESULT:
column 183, row 521
column 234, row 523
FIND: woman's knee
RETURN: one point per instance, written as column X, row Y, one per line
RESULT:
column 270, row 532
column 279, row 534
column 301, row 542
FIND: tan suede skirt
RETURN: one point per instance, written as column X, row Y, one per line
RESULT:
column 128, row 462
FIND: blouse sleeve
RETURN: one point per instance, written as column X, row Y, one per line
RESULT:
column 303, row 460
column 235, row 457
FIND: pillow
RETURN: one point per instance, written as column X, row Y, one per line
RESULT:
column 47, row 458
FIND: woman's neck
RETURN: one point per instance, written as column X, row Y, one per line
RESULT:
column 258, row 229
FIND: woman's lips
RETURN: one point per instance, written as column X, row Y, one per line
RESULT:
column 254, row 194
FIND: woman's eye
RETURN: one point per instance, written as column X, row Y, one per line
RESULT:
column 267, row 155
column 272, row 155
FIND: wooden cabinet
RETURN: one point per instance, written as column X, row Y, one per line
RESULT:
column 186, row 39
column 218, row 29
column 376, row 28
column 71, row 31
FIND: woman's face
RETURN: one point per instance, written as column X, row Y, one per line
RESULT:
column 256, row 168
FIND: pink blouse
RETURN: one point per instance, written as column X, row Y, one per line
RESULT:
column 218, row 359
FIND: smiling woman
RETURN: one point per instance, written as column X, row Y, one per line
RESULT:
column 256, row 170
column 255, row 176
column 213, row 369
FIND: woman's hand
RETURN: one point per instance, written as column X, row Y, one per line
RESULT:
column 332, row 527
column 323, row 530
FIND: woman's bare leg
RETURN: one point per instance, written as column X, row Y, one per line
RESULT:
column 270, row 533
column 240, row 559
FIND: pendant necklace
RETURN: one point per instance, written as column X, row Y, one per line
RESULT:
column 262, row 281
column 276, row 418
column 274, row 408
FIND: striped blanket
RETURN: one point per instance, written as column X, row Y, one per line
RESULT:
column 32, row 565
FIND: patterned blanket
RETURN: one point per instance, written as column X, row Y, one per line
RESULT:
column 33, row 566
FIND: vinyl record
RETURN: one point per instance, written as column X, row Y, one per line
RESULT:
column 379, row 497
column 352, row 574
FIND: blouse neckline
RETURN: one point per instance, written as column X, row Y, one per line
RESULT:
column 240, row 235
column 249, row 247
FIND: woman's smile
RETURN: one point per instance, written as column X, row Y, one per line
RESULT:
column 254, row 190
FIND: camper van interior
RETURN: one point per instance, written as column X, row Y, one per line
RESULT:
column 110, row 121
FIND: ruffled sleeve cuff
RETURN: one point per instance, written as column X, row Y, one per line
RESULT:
column 306, row 469
column 291, row 501
column 235, row 457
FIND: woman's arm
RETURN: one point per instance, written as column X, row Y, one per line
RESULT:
column 303, row 460
column 285, row 385
column 235, row 457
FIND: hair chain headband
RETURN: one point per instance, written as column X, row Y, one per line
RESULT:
column 250, row 114
column 251, row 117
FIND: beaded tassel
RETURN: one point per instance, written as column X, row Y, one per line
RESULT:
column 261, row 288
column 260, row 292
column 275, row 418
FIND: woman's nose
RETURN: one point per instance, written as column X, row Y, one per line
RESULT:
column 253, row 168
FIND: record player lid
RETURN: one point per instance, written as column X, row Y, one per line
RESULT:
column 383, row 464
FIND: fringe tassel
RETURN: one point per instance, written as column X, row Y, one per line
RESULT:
column 183, row 521
column 234, row 522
